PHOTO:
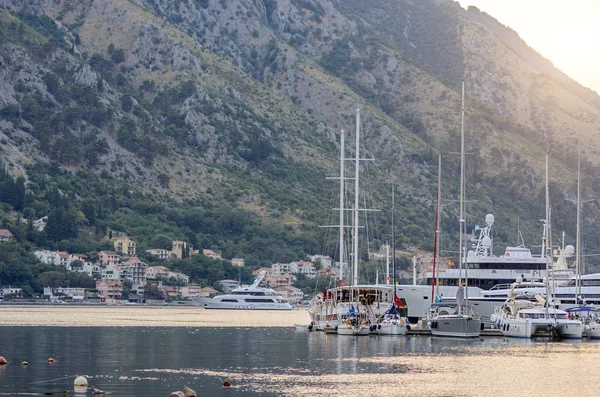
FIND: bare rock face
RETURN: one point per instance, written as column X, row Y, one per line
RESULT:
column 85, row 75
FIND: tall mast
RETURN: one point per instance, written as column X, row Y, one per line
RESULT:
column 356, row 199
column 578, row 242
column 393, row 245
column 341, row 253
column 462, row 195
column 436, row 237
column 548, row 245
column 387, row 263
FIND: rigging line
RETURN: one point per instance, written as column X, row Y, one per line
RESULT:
column 53, row 380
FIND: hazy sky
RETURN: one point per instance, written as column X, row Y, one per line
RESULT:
column 565, row 32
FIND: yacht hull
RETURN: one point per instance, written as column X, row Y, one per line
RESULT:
column 457, row 326
column 391, row 329
column 594, row 331
column 210, row 304
column 516, row 328
column 572, row 329
column 352, row 331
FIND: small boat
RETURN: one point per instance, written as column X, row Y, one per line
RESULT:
column 96, row 391
column 455, row 320
column 590, row 316
column 353, row 323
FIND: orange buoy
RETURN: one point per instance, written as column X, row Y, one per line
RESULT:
column 3, row 361
column 51, row 360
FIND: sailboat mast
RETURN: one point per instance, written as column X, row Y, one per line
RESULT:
column 393, row 245
column 578, row 242
column 462, row 194
column 387, row 263
column 548, row 245
column 437, row 232
column 341, row 253
column 356, row 199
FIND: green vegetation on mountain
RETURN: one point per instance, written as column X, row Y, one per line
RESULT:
column 217, row 122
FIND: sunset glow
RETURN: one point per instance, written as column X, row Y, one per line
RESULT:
column 564, row 32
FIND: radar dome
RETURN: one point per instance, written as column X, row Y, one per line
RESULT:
column 569, row 250
column 489, row 218
column 486, row 242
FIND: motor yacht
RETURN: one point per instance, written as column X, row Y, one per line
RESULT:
column 248, row 297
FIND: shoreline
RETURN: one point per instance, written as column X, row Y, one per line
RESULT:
column 145, row 316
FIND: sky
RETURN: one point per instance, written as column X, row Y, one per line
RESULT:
column 565, row 32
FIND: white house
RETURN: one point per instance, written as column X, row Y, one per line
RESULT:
column 291, row 294
column 323, row 259
column 161, row 253
column 11, row 291
column 47, row 257
column 238, row 262
column 73, row 293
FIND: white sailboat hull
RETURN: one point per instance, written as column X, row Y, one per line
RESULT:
column 569, row 329
column 594, row 331
column 516, row 328
column 363, row 330
column 391, row 329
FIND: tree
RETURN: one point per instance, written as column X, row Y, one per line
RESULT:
column 52, row 279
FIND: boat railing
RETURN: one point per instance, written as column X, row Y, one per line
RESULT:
column 500, row 286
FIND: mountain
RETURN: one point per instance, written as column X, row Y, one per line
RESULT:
column 218, row 120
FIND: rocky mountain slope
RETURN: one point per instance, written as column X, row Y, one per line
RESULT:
column 239, row 104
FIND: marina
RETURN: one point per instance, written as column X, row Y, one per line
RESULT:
column 136, row 361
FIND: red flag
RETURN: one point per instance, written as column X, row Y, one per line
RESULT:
column 398, row 301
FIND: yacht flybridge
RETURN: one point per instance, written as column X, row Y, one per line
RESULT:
column 248, row 297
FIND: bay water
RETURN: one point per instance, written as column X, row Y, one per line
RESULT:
column 272, row 361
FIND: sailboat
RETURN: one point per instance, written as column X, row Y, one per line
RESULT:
column 355, row 322
column 457, row 320
column 522, row 318
column 392, row 323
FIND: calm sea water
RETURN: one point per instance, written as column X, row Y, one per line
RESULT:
column 138, row 361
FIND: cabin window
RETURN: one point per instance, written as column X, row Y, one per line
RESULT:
column 259, row 300
column 229, row 300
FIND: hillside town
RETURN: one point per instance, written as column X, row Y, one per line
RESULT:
column 122, row 277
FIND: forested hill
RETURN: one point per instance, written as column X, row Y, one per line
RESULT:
column 217, row 121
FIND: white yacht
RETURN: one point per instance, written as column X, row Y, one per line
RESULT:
column 523, row 318
column 564, row 294
column 248, row 297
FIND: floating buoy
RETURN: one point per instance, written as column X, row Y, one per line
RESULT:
column 226, row 383
column 188, row 392
column 80, row 381
column 24, row 363
column 51, row 360
column 177, row 394
column 3, row 361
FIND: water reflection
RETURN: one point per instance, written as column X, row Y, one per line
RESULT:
column 133, row 362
